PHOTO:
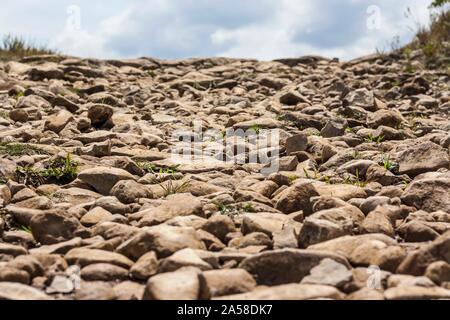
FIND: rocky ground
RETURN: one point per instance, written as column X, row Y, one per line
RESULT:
column 93, row 205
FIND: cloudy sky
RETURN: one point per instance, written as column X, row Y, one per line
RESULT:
column 263, row 29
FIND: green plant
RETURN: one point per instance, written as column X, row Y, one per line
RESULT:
column 20, row 149
column 439, row 3
column 356, row 182
column 152, row 168
column 370, row 138
column 171, row 186
column 349, row 130
column 26, row 229
column 256, row 128
column 29, row 176
column 293, row 178
column 147, row 166
column 18, row 95
column 248, row 208
column 355, row 155
column 387, row 163
column 167, row 181
column 306, row 173
column 59, row 170
column 4, row 114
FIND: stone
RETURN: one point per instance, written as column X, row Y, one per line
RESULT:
column 365, row 250
column 183, row 258
column 103, row 272
column 58, row 121
column 417, row 261
column 438, row 272
column 429, row 194
column 378, row 222
column 182, row 204
column 128, row 290
column 291, row 98
column 333, row 129
column 95, row 290
column 416, row 293
column 318, row 230
column 145, row 267
column 390, row 118
column 129, row 191
column 183, row 284
column 330, row 273
column 298, row 142
column 94, row 216
column 12, row 249
column 362, row 98
column 52, row 227
column 415, row 231
column 420, row 158
column 229, row 281
column 267, row 223
column 18, row 115
column 290, row 291
column 18, row 291
column 285, row 265
column 219, row 226
column 103, row 179
column 366, row 294
column 297, row 197
column 10, row 274
column 164, row 240
column 99, row 114
column 84, row 257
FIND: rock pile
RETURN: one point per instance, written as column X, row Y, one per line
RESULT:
column 94, row 204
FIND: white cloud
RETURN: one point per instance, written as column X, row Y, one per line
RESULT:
column 263, row 29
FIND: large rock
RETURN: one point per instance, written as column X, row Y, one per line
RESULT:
column 183, row 258
column 285, row 265
column 58, row 121
column 18, row 291
column 429, row 194
column 330, row 273
column 298, row 142
column 423, row 157
column 103, row 179
column 85, row 256
column 417, row 261
column 365, row 250
column 267, row 223
column 229, row 281
column 53, row 227
column 129, row 191
column 319, row 230
column 416, row 293
column 184, row 284
column 99, row 114
column 164, row 240
column 291, row 291
column 296, row 198
column 176, row 205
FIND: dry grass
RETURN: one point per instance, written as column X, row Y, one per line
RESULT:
column 14, row 48
column 433, row 40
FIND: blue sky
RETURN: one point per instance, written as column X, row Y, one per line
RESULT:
column 263, row 29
